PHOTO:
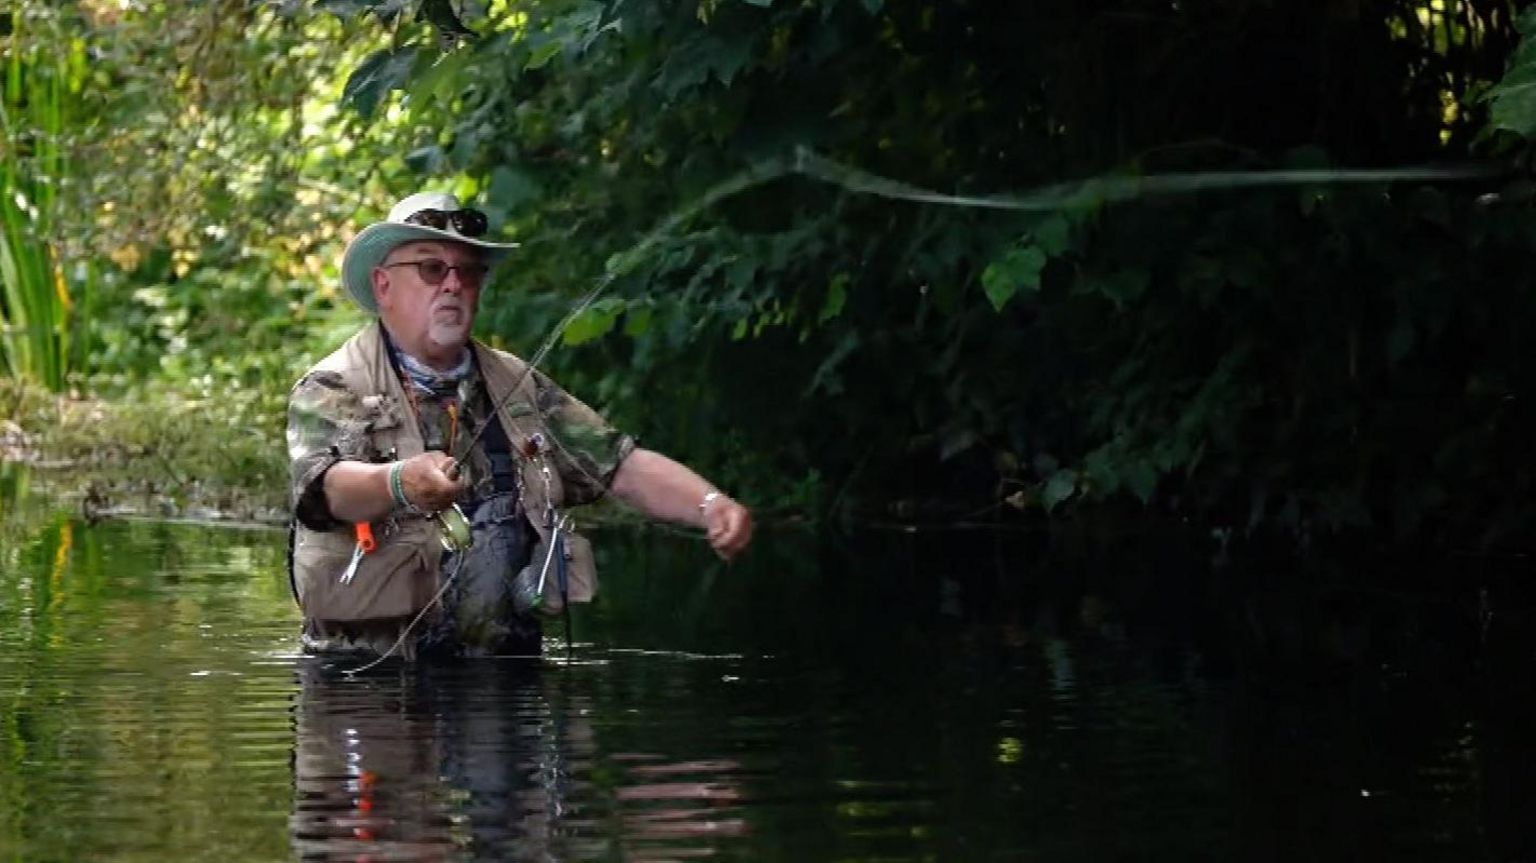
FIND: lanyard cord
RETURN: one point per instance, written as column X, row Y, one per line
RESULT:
column 450, row 404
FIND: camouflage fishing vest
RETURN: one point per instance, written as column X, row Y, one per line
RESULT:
column 404, row 571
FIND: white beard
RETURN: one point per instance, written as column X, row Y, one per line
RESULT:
column 454, row 335
column 449, row 330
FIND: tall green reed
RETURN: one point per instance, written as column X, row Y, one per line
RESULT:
column 43, row 77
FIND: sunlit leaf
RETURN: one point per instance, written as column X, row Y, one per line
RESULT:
column 637, row 321
column 593, row 322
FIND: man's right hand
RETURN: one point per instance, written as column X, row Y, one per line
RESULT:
column 428, row 483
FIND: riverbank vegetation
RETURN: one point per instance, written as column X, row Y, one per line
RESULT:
column 787, row 299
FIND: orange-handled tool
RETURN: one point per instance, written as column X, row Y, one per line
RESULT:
column 364, row 532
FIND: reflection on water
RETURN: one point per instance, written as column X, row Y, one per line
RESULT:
column 950, row 697
column 497, row 758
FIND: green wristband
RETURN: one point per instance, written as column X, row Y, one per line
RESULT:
column 396, row 487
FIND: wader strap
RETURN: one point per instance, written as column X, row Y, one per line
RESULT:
column 499, row 451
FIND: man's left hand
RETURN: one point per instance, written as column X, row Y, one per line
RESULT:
column 728, row 525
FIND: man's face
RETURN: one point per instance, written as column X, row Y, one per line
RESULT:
column 430, row 321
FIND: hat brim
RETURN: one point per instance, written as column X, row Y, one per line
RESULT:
column 369, row 248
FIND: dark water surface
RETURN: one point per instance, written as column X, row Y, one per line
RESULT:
column 947, row 696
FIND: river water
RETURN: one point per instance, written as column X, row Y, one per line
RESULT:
column 889, row 696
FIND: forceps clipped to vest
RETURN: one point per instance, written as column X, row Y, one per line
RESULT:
column 365, row 544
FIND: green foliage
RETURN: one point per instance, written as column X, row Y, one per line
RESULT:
column 224, row 181
column 44, row 72
column 155, row 450
column 1513, row 98
column 1312, row 360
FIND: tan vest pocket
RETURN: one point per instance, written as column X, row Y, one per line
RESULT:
column 398, row 578
column 581, row 570
column 580, row 574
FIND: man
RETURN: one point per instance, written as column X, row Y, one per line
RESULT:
column 412, row 422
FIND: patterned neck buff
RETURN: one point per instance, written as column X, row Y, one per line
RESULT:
column 430, row 381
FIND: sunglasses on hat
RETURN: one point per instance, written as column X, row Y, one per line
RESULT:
column 466, row 222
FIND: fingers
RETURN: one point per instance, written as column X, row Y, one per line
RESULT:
column 428, row 483
column 729, row 529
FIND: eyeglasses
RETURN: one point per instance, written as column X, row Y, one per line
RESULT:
column 467, row 222
column 434, row 270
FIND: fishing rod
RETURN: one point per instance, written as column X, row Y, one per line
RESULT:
column 455, row 528
column 756, row 175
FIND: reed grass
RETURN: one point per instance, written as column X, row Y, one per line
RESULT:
column 43, row 77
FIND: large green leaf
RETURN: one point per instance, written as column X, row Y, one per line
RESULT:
column 1513, row 98
column 372, row 80
column 1018, row 269
column 593, row 322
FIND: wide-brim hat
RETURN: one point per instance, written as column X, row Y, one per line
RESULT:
column 369, row 248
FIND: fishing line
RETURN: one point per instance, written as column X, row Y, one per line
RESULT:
column 458, row 564
column 1110, row 188
column 1103, row 189
column 625, row 261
